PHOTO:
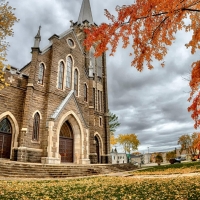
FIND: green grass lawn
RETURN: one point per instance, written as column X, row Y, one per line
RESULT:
column 178, row 168
column 108, row 188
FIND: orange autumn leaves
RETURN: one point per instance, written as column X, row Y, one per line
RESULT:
column 150, row 27
column 197, row 142
column 194, row 85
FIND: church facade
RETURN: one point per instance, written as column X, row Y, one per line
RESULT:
column 56, row 107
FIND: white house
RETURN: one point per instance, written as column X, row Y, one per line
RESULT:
column 118, row 158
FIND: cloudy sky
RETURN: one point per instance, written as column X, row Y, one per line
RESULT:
column 152, row 104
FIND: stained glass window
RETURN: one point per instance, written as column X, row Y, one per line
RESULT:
column 5, row 126
column 69, row 71
column 60, row 75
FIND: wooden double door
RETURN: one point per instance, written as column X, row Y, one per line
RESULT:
column 5, row 138
column 66, row 149
column 5, row 145
column 66, row 143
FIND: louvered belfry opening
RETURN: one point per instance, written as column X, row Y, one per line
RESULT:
column 66, row 143
column 5, row 138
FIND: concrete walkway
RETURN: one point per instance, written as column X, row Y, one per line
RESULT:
column 131, row 175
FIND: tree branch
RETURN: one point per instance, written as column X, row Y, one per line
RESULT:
column 160, row 25
column 192, row 10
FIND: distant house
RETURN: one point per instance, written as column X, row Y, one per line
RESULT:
column 146, row 158
column 137, row 158
column 118, row 158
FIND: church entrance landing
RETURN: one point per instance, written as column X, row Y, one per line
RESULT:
column 5, row 138
column 66, row 143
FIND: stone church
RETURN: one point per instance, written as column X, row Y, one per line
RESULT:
column 56, row 107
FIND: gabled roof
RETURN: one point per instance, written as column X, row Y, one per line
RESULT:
column 85, row 13
column 64, row 103
column 60, row 37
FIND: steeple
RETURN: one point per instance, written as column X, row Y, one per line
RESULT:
column 37, row 39
column 85, row 13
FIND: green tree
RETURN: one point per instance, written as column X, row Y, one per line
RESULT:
column 113, row 122
column 170, row 154
column 129, row 142
column 7, row 20
column 159, row 158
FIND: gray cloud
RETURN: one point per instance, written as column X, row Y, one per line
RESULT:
column 153, row 104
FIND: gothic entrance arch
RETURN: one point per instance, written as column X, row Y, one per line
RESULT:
column 5, row 138
column 66, row 143
column 97, row 149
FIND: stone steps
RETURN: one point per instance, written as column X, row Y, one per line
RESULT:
column 32, row 170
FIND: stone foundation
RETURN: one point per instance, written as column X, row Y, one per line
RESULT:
column 106, row 159
column 85, row 161
column 93, row 158
column 49, row 160
column 25, row 154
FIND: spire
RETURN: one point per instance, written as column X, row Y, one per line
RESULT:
column 37, row 39
column 85, row 13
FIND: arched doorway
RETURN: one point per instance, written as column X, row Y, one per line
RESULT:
column 66, row 143
column 5, row 138
column 97, row 149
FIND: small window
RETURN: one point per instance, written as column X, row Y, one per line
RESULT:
column 41, row 74
column 76, row 82
column 94, row 102
column 36, row 127
column 70, row 43
column 100, row 121
column 60, row 75
column 85, row 92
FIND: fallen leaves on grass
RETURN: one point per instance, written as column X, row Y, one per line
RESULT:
column 112, row 188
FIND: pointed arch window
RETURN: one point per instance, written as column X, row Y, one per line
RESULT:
column 76, row 82
column 85, row 92
column 69, row 71
column 99, row 66
column 5, row 126
column 36, row 127
column 92, row 59
column 60, row 75
column 41, row 74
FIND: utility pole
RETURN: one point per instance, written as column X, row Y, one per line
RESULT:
column 148, row 155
